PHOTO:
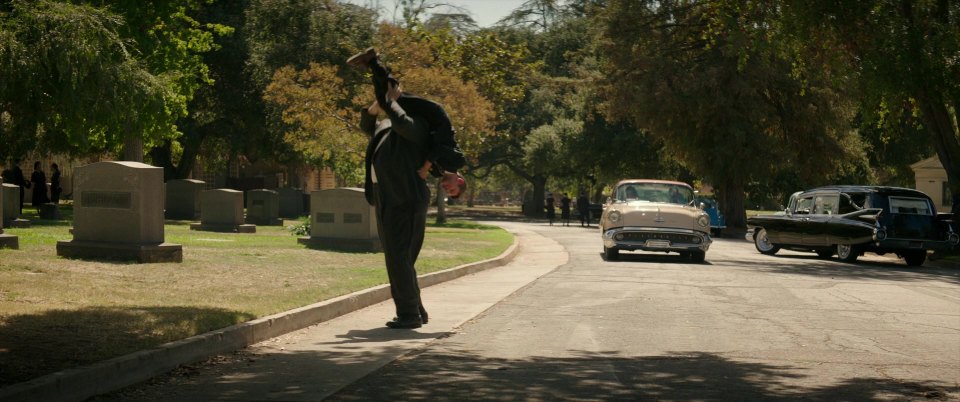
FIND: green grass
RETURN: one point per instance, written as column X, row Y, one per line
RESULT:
column 57, row 313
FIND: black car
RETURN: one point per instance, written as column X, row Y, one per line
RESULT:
column 850, row 220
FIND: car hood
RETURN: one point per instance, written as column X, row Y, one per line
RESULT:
column 652, row 214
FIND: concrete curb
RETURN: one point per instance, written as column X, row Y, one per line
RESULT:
column 110, row 375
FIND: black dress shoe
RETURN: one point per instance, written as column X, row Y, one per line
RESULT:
column 423, row 316
column 404, row 323
column 362, row 59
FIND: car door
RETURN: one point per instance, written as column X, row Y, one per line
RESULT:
column 817, row 226
column 792, row 229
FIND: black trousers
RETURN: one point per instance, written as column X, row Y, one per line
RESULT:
column 401, row 229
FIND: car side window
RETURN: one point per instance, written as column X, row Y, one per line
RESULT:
column 804, row 205
column 826, row 204
column 847, row 204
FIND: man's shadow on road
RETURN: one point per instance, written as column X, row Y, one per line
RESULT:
column 384, row 334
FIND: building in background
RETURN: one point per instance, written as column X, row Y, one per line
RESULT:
column 931, row 178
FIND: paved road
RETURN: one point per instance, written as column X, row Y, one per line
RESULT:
column 742, row 326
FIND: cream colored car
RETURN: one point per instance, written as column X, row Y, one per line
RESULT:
column 654, row 215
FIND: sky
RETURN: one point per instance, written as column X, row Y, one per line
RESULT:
column 485, row 12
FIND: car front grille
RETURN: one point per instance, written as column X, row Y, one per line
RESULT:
column 672, row 237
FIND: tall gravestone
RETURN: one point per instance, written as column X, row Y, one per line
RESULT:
column 221, row 210
column 11, row 207
column 183, row 199
column 6, row 240
column 291, row 202
column 341, row 218
column 118, row 214
column 263, row 208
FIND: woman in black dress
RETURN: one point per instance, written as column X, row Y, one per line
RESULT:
column 38, row 181
column 565, row 209
column 55, row 189
column 551, row 209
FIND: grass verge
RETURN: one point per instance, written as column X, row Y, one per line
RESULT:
column 58, row 313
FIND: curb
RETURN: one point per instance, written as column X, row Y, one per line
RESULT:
column 80, row 383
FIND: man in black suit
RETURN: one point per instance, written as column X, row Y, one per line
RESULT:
column 398, row 148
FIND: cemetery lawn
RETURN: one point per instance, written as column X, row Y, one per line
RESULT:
column 58, row 313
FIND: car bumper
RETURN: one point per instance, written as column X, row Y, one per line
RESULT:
column 912, row 244
column 656, row 239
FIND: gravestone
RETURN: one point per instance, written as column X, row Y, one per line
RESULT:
column 221, row 210
column 183, row 199
column 118, row 214
column 49, row 211
column 341, row 218
column 11, row 207
column 291, row 202
column 6, row 240
column 263, row 208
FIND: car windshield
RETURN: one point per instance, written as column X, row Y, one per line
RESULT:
column 707, row 202
column 655, row 192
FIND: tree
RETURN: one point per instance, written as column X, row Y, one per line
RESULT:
column 729, row 109
column 903, row 53
column 322, row 131
column 70, row 77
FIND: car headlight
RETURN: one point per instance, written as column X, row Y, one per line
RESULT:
column 703, row 221
column 613, row 216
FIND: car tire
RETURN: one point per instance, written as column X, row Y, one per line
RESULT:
column 762, row 244
column 824, row 253
column 698, row 256
column 611, row 254
column 848, row 252
column 915, row 258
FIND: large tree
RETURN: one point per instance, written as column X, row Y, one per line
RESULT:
column 69, row 79
column 903, row 54
column 728, row 108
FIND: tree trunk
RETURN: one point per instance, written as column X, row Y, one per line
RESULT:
column 535, row 209
column 731, row 197
column 441, row 207
column 133, row 149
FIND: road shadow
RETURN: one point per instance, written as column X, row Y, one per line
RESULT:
column 889, row 270
column 447, row 376
column 648, row 257
column 33, row 345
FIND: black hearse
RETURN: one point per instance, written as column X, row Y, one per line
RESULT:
column 850, row 220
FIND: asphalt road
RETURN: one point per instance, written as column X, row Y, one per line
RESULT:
column 742, row 326
column 560, row 323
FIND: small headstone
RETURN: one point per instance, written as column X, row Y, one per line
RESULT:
column 50, row 211
column 183, row 199
column 221, row 210
column 263, row 208
column 291, row 202
column 6, row 240
column 118, row 214
column 11, row 207
column 341, row 218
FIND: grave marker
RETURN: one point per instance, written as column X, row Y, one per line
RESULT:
column 118, row 214
column 340, row 218
column 221, row 210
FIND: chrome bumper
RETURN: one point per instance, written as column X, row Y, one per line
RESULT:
column 656, row 239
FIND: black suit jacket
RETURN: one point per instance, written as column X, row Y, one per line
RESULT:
column 442, row 148
column 398, row 159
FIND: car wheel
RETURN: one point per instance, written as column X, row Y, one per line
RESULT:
column 611, row 254
column 763, row 244
column 847, row 252
column 915, row 258
column 698, row 256
column 824, row 253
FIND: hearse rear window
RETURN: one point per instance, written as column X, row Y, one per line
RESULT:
column 912, row 206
